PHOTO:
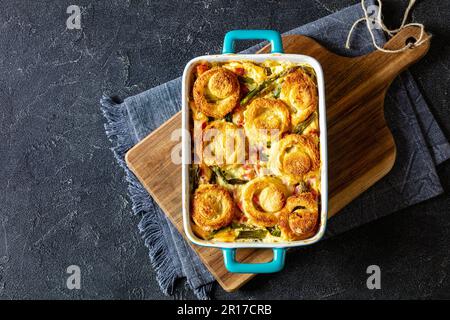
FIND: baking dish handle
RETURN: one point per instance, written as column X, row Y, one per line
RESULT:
column 277, row 264
column 269, row 35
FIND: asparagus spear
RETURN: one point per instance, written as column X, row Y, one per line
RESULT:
column 299, row 128
column 229, row 117
column 275, row 231
column 247, row 80
column 252, row 234
column 265, row 84
column 194, row 176
column 220, row 174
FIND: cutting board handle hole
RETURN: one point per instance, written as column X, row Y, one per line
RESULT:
column 410, row 40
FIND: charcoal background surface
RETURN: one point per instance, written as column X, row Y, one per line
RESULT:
column 63, row 198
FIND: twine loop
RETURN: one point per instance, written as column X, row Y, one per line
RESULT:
column 391, row 32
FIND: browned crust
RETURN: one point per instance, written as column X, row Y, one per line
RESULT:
column 301, row 160
column 212, row 207
column 255, row 213
column 300, row 93
column 225, row 87
column 227, row 142
column 266, row 114
column 297, row 223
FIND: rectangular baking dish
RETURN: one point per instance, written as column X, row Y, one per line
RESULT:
column 279, row 248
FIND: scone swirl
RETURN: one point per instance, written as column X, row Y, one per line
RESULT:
column 216, row 92
column 212, row 207
column 266, row 118
column 300, row 94
column 299, row 219
column 294, row 156
column 223, row 143
column 262, row 200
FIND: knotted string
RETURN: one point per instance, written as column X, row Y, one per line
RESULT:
column 378, row 19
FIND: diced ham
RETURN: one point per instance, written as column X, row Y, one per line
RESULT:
column 244, row 90
column 239, row 71
column 201, row 68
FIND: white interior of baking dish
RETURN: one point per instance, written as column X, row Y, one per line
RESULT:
column 186, row 147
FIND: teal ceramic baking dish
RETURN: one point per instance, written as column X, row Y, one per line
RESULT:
column 279, row 248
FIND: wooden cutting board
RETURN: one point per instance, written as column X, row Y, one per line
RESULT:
column 361, row 148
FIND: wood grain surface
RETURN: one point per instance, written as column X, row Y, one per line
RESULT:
column 361, row 148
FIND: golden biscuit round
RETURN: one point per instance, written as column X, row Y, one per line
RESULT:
column 248, row 70
column 216, row 92
column 294, row 156
column 299, row 219
column 223, row 143
column 265, row 119
column 262, row 200
column 212, row 207
column 300, row 94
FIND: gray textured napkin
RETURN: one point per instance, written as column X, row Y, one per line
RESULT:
column 420, row 142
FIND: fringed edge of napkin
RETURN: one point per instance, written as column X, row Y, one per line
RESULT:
column 151, row 231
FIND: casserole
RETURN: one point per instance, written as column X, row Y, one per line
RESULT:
column 227, row 84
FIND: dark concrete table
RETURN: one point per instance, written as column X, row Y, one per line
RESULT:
column 63, row 198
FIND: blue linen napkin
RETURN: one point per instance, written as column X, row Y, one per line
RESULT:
column 420, row 142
